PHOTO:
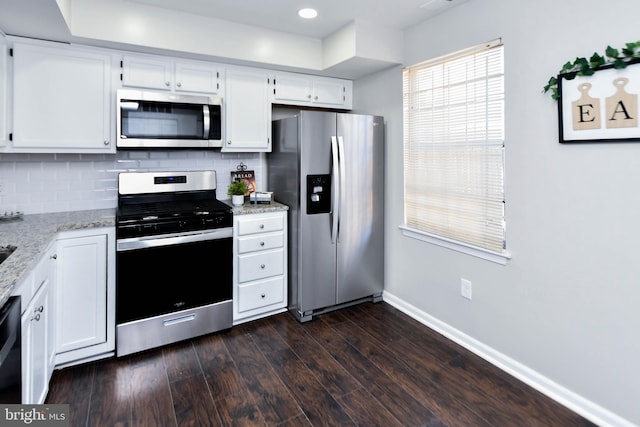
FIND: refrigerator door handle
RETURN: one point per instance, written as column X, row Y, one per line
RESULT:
column 335, row 196
column 342, row 182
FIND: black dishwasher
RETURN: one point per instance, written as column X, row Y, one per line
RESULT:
column 10, row 352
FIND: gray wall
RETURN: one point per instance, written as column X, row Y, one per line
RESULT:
column 564, row 313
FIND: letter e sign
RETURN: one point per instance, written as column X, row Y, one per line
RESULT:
column 586, row 110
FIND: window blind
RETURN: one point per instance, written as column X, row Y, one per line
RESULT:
column 454, row 147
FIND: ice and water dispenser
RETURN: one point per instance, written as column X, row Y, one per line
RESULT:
column 318, row 194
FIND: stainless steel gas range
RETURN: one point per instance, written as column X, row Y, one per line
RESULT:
column 173, row 261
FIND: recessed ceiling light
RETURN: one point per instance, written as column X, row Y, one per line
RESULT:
column 307, row 13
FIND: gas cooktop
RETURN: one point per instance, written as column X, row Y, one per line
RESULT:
column 152, row 203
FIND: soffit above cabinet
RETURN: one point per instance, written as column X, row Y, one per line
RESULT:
column 348, row 39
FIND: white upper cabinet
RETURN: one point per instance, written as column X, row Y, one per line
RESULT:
column 299, row 89
column 248, row 111
column 197, row 77
column 61, row 99
column 147, row 72
column 4, row 132
column 168, row 74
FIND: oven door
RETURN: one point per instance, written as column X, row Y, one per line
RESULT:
column 159, row 275
column 172, row 288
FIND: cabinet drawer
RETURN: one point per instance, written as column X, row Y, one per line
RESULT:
column 261, row 294
column 260, row 225
column 260, row 242
column 260, row 265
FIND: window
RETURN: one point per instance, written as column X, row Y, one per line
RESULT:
column 454, row 150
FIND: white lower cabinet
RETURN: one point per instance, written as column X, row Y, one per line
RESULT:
column 260, row 265
column 68, row 307
column 85, row 296
column 36, row 343
column 38, row 315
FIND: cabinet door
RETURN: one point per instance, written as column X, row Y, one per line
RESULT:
column 81, row 286
column 61, row 99
column 248, row 112
column 4, row 133
column 147, row 72
column 35, row 342
column 289, row 88
column 314, row 91
column 196, row 77
column 328, row 92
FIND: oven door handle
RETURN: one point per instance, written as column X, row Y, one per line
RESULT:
column 156, row 241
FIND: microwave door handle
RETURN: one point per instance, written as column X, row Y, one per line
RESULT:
column 207, row 121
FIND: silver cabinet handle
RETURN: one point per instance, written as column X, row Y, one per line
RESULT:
column 263, row 295
column 106, row 142
column 167, row 83
column 36, row 318
column 262, row 266
column 261, row 243
column 179, row 84
column 54, row 256
column 261, row 226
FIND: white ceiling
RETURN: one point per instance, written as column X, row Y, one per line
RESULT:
column 229, row 30
column 281, row 15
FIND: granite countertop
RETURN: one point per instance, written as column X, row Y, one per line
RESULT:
column 254, row 208
column 33, row 233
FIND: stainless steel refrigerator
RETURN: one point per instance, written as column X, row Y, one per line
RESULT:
column 329, row 169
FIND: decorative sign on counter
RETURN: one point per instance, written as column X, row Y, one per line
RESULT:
column 602, row 107
column 242, row 174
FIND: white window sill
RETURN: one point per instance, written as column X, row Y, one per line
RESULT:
column 497, row 257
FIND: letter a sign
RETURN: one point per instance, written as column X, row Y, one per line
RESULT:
column 622, row 108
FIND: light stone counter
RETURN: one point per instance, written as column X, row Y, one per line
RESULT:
column 254, row 208
column 32, row 235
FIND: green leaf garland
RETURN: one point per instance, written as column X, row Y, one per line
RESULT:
column 618, row 58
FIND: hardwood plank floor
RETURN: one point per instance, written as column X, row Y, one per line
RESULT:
column 367, row 365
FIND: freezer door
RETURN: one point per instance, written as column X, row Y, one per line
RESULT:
column 360, row 253
column 317, row 252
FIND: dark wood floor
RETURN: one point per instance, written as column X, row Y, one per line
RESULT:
column 365, row 365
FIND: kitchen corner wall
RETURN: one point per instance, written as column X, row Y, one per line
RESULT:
column 43, row 183
column 563, row 313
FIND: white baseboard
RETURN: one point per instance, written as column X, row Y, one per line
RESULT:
column 586, row 408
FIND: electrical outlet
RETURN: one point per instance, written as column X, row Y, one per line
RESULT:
column 465, row 288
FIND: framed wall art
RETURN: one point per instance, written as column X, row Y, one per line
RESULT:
column 602, row 107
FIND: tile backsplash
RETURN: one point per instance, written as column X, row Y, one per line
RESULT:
column 43, row 183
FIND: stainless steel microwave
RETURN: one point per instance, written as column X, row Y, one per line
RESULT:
column 148, row 119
